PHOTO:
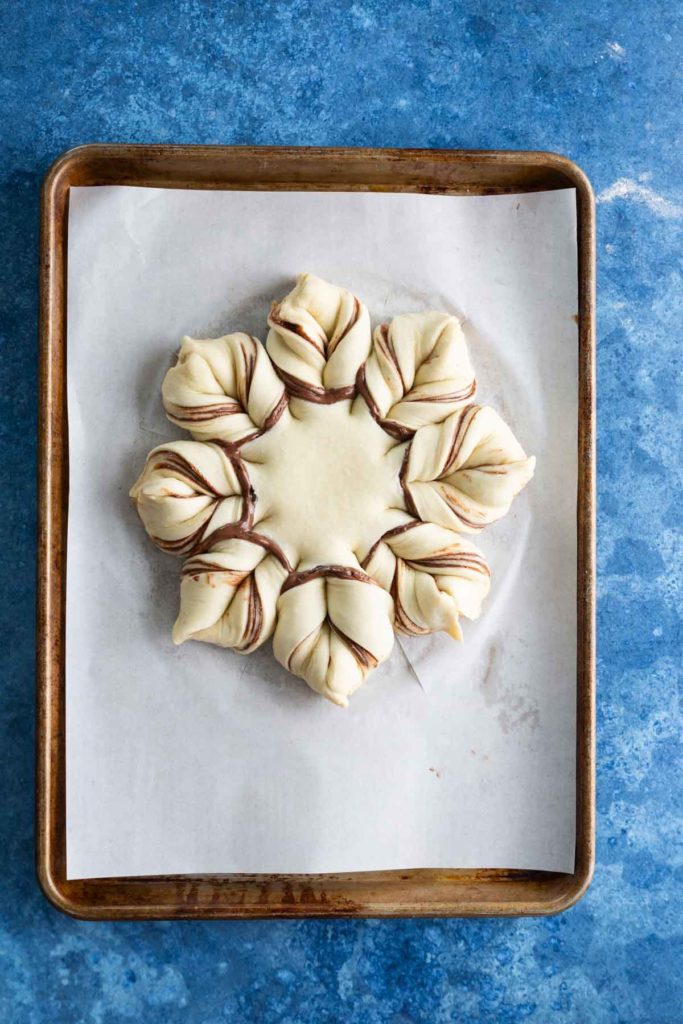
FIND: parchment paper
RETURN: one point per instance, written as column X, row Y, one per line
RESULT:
column 194, row 759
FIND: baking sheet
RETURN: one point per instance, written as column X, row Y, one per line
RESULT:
column 197, row 760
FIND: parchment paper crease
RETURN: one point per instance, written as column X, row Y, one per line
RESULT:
column 193, row 759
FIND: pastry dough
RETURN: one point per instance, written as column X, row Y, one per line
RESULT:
column 331, row 478
column 327, row 480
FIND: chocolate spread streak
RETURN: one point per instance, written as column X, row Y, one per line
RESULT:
column 202, row 413
column 395, row 430
column 195, row 567
column 394, row 532
column 249, row 364
column 231, row 451
column 276, row 321
column 231, row 406
column 254, row 622
column 269, row 422
column 235, row 531
column 454, row 396
column 186, row 545
column 466, row 417
column 206, row 413
column 177, row 463
column 352, row 321
column 410, row 504
column 401, row 618
column 362, row 655
column 452, row 560
column 386, row 345
column 272, row 417
column 277, row 411
column 312, row 392
column 339, row 572
column 202, row 539
column 457, row 508
column 343, row 572
column 445, row 559
column 323, row 345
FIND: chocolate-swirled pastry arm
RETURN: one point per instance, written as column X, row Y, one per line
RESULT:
column 418, row 372
column 319, row 336
column 433, row 575
column 185, row 491
column 228, row 596
column 464, row 473
column 333, row 630
column 223, row 388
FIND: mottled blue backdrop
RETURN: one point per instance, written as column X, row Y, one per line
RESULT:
column 597, row 81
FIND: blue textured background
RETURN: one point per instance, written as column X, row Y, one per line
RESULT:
column 596, row 81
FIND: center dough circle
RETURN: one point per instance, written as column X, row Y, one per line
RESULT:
column 327, row 483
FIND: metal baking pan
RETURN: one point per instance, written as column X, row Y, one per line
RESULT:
column 426, row 893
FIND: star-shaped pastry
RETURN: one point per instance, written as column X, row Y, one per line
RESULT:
column 330, row 484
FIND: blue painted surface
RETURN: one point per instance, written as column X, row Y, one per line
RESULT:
column 595, row 81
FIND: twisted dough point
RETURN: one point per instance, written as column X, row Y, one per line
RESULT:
column 332, row 632
column 464, row 473
column 418, row 372
column 186, row 490
column 223, row 387
column 319, row 336
column 228, row 596
column 433, row 575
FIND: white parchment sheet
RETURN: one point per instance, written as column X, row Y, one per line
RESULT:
column 195, row 759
